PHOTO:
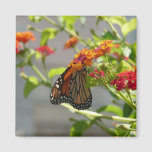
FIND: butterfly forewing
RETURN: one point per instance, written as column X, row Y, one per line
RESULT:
column 73, row 90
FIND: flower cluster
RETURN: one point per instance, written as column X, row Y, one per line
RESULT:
column 105, row 47
column 125, row 80
column 84, row 57
column 71, row 42
column 17, row 46
column 101, row 73
column 45, row 50
column 24, row 37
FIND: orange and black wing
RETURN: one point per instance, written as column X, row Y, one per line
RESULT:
column 80, row 94
column 73, row 90
column 60, row 91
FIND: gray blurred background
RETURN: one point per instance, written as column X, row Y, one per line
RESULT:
column 35, row 115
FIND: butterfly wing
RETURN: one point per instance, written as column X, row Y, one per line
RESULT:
column 60, row 90
column 80, row 94
column 72, row 90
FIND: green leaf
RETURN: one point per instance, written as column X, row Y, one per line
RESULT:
column 120, row 20
column 101, row 18
column 124, row 66
column 56, row 71
column 47, row 33
column 79, row 127
column 122, row 129
column 133, row 115
column 70, row 20
column 129, row 26
column 127, row 110
column 35, row 19
column 111, row 108
column 133, row 51
column 133, row 125
column 107, row 35
column 31, row 83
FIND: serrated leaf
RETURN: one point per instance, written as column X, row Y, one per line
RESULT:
column 35, row 19
column 56, row 71
column 129, row 26
column 124, row 66
column 31, row 83
column 111, row 108
column 127, row 110
column 47, row 33
column 79, row 127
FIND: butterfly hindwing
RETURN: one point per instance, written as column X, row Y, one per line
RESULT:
column 72, row 90
column 80, row 94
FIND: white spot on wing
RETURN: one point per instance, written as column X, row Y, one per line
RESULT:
column 57, row 85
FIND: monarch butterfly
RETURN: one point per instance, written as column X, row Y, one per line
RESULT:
column 72, row 90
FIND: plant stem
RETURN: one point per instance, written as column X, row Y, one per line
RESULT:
column 39, row 73
column 126, row 100
column 103, row 127
column 51, row 21
column 98, row 115
column 44, row 66
column 72, row 33
column 113, row 29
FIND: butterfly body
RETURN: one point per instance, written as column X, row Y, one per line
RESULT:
column 72, row 89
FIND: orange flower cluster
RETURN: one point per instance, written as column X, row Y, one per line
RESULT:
column 84, row 57
column 105, row 47
column 24, row 37
column 17, row 46
column 71, row 42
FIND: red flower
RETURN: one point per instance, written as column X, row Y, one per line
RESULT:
column 125, row 80
column 45, row 50
column 101, row 73
column 126, row 58
column 17, row 46
column 24, row 37
column 70, row 43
